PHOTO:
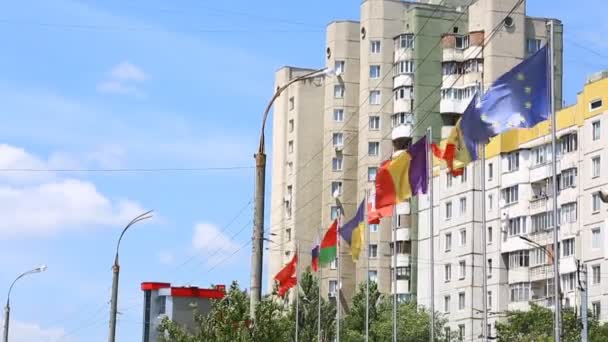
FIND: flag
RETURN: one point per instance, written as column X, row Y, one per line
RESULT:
column 352, row 232
column 405, row 175
column 517, row 99
column 374, row 215
column 314, row 264
column 459, row 149
column 286, row 278
column 329, row 245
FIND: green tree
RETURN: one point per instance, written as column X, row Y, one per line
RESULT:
column 353, row 328
column 413, row 323
column 308, row 311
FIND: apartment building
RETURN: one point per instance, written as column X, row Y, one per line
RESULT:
column 403, row 67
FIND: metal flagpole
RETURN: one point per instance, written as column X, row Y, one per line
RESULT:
column 297, row 290
column 319, row 292
column 367, row 268
column 557, row 324
column 395, row 273
column 339, row 285
column 484, row 241
column 431, row 231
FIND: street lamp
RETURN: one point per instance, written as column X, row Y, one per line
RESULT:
column 260, row 187
column 115, row 272
column 7, row 308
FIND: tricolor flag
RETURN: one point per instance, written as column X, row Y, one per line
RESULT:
column 314, row 263
column 353, row 232
column 329, row 245
column 403, row 176
column 374, row 215
column 286, row 278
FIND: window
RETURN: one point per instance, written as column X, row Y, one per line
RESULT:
column 517, row 226
column 290, row 125
column 461, row 332
column 595, row 167
column 538, row 257
column 596, row 130
column 373, row 275
column 568, row 213
column 462, row 269
column 338, row 115
column 446, row 303
column 448, row 241
column 490, row 171
column 489, row 236
column 489, row 299
column 374, row 46
column 596, row 308
column 567, row 179
column 405, row 41
column 338, row 139
column 290, row 146
column 448, row 180
column 404, row 67
column 596, row 238
column 447, row 272
column 373, row 251
column 596, row 202
column 333, row 212
column 463, row 205
column 374, row 71
column 401, row 118
column 595, row 104
column 374, row 123
column 541, row 222
column 403, row 273
column 448, row 210
column 336, row 187
column 288, row 201
column 462, row 42
column 288, row 234
column 597, row 275
column 289, row 167
column 291, row 103
column 519, row 259
column 568, row 281
column 373, row 148
column 373, row 228
column 568, row 247
column 333, row 287
column 490, row 201
column 513, row 161
column 568, row 143
column 510, row 194
column 336, row 164
column 371, row 174
column 533, row 45
column 461, row 301
column 374, row 97
column 520, row 292
column 463, row 237
column 490, row 268
column 340, row 67
column 162, row 304
column 338, row 91
column 541, row 155
column 404, row 93
column 463, row 177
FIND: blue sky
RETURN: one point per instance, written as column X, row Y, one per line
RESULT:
column 152, row 84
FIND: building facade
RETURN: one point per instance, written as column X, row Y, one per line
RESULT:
column 403, row 67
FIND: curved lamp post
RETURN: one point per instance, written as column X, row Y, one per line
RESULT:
column 550, row 255
column 7, row 308
column 260, row 187
column 115, row 272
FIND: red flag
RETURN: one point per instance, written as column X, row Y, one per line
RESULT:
column 287, row 276
column 374, row 215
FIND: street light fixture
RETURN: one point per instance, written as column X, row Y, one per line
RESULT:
column 260, row 187
column 551, row 256
column 115, row 274
column 7, row 308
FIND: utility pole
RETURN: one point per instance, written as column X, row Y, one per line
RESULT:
column 582, row 286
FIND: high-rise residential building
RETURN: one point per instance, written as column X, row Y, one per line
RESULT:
column 404, row 67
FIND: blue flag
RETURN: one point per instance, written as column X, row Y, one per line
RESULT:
column 518, row 99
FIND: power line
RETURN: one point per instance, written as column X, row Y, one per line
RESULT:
column 108, row 170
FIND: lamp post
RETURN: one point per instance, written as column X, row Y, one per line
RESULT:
column 115, row 273
column 550, row 255
column 260, row 187
column 7, row 308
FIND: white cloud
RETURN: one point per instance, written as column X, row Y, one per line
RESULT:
column 34, row 204
column 124, row 79
column 28, row 332
column 209, row 239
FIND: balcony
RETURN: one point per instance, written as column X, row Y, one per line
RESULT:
column 403, row 80
column 404, row 105
column 403, row 234
column 453, row 54
column 453, row 105
column 403, row 260
column 541, row 272
column 402, row 131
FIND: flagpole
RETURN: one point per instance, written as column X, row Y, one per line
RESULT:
column 557, row 323
column 319, row 292
column 431, row 230
column 297, row 289
column 339, row 285
column 395, row 273
column 367, row 268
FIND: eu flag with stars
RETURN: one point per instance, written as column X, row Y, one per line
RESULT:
column 517, row 99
